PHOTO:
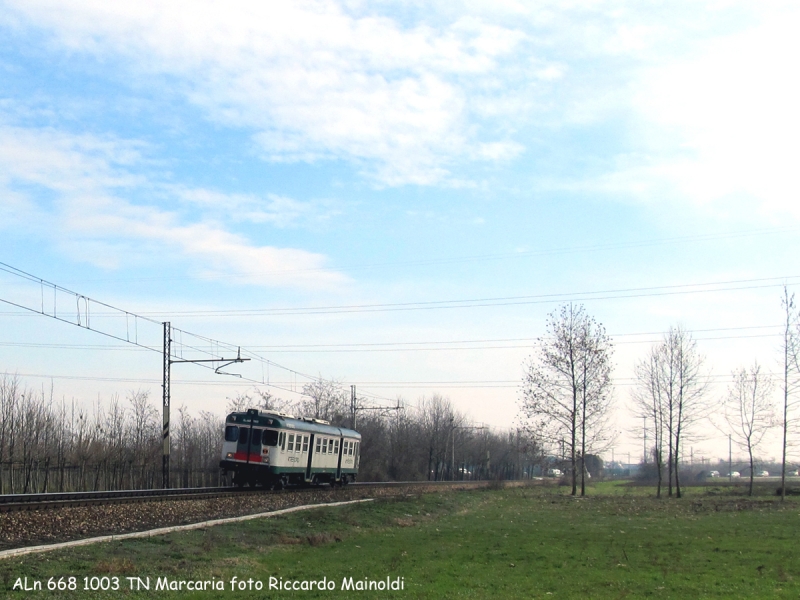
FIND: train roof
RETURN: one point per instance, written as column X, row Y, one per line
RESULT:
column 282, row 420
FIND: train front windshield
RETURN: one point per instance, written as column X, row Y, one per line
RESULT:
column 267, row 437
column 256, row 439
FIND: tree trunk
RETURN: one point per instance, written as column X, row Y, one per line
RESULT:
column 573, row 458
column 660, row 467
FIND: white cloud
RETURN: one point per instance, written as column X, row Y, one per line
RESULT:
column 65, row 162
column 310, row 79
column 279, row 211
column 720, row 131
column 423, row 99
column 500, row 150
column 73, row 187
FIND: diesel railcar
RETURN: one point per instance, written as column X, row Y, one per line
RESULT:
column 273, row 449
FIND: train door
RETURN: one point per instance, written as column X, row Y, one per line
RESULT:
column 255, row 445
column 243, row 443
column 310, row 455
column 339, row 460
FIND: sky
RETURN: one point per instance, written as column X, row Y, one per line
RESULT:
column 394, row 195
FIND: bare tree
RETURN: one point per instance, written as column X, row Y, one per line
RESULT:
column 266, row 400
column 260, row 399
column 143, row 435
column 437, row 422
column 649, row 399
column 406, row 459
column 239, row 403
column 671, row 389
column 324, row 399
column 9, row 397
column 749, row 410
column 595, row 392
column 566, row 389
column 791, row 373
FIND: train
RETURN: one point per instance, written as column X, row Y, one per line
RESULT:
column 276, row 450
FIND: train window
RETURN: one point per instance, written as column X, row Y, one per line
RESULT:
column 231, row 433
column 290, row 446
column 350, row 448
column 243, row 435
column 324, row 445
column 269, row 437
column 305, row 443
column 255, row 439
column 336, row 447
column 282, row 440
column 319, row 445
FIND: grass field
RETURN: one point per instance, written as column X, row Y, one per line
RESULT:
column 514, row 543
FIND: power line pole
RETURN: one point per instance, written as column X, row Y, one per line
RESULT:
column 168, row 361
column 353, row 405
column 127, row 328
column 166, row 399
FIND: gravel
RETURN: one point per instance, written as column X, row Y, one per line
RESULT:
column 47, row 526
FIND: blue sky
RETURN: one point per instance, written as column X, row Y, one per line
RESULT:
column 194, row 157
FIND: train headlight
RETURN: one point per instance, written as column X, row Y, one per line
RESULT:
column 229, row 455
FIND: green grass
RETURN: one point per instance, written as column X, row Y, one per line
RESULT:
column 514, row 543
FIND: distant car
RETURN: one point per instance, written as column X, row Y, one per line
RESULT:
column 713, row 474
column 794, row 473
column 763, row 473
column 734, row 474
column 554, row 473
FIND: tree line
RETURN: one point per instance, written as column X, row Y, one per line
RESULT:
column 47, row 445
column 51, row 446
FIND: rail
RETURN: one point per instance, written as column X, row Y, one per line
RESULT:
column 17, row 502
column 14, row 502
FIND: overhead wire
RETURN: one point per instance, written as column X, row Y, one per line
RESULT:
column 283, row 385
column 181, row 345
column 177, row 347
column 419, row 346
column 582, row 296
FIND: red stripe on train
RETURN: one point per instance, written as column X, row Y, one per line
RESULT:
column 243, row 457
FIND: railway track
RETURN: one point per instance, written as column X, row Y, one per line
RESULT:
column 24, row 502
column 15, row 502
